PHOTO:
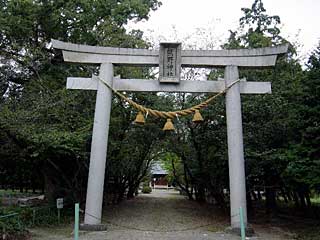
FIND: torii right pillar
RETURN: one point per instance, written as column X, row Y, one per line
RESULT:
column 230, row 59
column 237, row 175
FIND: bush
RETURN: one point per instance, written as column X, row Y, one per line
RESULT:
column 146, row 189
column 11, row 227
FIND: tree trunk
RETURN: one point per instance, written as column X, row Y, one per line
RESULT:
column 296, row 199
column 259, row 195
column 200, row 193
column 302, row 199
column 120, row 195
column 183, row 188
column 130, row 194
column 283, row 193
column 307, row 194
column 131, row 190
column 249, row 199
column 271, row 203
column 219, row 198
column 254, row 195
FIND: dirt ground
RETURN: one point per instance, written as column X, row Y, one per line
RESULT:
column 161, row 215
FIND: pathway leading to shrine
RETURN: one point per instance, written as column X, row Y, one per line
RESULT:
column 161, row 215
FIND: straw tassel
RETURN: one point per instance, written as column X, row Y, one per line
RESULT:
column 139, row 119
column 197, row 118
column 169, row 125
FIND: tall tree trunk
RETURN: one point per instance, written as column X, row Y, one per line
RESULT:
column 259, row 195
column 254, row 195
column 271, row 181
column 307, row 194
column 296, row 199
column 131, row 189
column 284, row 195
column 200, row 193
column 183, row 188
column 271, row 203
column 302, row 199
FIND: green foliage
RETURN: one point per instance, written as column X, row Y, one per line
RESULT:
column 257, row 29
column 11, row 224
column 173, row 165
column 46, row 130
column 262, row 29
column 146, row 189
column 304, row 154
column 276, row 126
column 280, row 130
column 14, row 221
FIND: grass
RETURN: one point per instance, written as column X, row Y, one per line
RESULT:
column 40, row 232
column 216, row 228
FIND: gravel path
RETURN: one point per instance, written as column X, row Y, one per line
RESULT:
column 162, row 215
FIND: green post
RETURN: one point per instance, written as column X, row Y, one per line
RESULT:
column 243, row 232
column 19, row 223
column 76, row 222
column 33, row 217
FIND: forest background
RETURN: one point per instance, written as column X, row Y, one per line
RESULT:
column 46, row 130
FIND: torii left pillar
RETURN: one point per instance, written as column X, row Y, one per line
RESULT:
column 106, row 56
column 98, row 155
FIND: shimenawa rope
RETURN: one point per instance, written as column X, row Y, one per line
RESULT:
column 164, row 114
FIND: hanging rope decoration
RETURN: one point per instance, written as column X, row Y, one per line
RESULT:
column 168, row 115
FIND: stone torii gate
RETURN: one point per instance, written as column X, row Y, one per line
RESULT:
column 231, row 60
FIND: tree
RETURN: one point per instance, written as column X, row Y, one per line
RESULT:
column 261, row 29
column 48, row 126
column 304, row 154
column 270, row 122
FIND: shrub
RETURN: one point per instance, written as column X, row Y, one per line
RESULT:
column 11, row 227
column 146, row 189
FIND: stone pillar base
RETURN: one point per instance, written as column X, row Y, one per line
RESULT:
column 93, row 227
column 237, row 231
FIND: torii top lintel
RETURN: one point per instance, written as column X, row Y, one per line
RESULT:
column 258, row 57
column 104, row 84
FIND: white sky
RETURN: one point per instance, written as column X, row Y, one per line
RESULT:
column 300, row 17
